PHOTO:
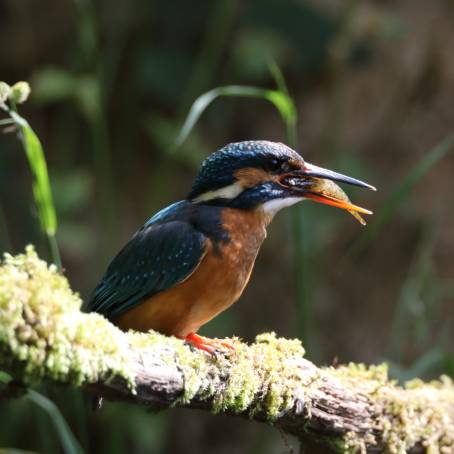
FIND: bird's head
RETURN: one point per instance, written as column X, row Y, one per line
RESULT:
column 268, row 176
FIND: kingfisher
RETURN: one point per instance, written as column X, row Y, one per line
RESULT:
column 193, row 259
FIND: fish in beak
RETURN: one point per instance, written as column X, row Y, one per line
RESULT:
column 318, row 184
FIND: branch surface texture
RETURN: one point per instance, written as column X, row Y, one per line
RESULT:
column 352, row 408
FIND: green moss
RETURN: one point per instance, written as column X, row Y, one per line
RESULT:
column 44, row 334
column 359, row 371
column 266, row 369
column 194, row 364
column 235, row 380
column 423, row 414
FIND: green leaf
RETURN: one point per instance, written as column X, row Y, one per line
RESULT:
column 280, row 100
column 67, row 439
column 41, row 185
column 283, row 104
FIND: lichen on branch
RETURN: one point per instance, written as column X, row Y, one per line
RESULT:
column 43, row 334
column 355, row 408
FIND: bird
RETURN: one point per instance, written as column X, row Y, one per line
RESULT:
column 193, row 259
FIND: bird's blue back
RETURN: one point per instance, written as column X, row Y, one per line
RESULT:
column 164, row 252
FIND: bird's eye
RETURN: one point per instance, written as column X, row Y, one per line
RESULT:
column 275, row 163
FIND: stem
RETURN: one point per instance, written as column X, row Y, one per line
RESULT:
column 54, row 251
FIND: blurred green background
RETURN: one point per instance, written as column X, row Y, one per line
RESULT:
column 372, row 83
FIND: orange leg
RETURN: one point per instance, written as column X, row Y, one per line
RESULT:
column 206, row 344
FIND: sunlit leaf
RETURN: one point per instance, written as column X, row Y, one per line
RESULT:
column 283, row 105
column 280, row 100
column 41, row 185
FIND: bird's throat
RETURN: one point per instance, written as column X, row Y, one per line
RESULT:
column 271, row 207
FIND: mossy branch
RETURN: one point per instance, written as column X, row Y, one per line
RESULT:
column 354, row 408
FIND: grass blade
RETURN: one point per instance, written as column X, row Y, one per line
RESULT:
column 42, row 192
column 280, row 100
column 67, row 439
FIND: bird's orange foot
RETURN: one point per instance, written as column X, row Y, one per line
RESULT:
column 206, row 344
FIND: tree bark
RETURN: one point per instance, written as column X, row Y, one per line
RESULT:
column 349, row 409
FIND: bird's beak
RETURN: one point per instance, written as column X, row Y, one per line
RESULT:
column 312, row 170
column 317, row 184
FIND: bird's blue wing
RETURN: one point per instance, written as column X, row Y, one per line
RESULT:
column 159, row 256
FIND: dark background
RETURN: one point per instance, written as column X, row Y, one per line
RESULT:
column 373, row 83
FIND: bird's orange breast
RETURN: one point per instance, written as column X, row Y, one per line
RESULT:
column 216, row 283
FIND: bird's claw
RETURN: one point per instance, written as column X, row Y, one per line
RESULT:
column 208, row 345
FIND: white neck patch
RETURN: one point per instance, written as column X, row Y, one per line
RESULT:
column 273, row 206
column 227, row 192
column 233, row 190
